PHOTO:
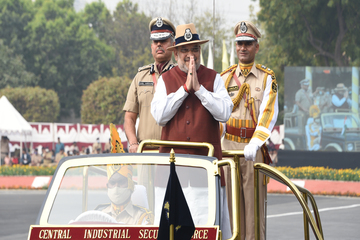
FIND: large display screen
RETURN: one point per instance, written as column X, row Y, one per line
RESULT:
column 322, row 109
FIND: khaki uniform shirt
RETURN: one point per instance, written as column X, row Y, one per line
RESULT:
column 263, row 88
column 304, row 98
column 36, row 160
column 139, row 97
column 96, row 146
column 47, row 161
column 131, row 215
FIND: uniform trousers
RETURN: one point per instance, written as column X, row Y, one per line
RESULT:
column 246, row 184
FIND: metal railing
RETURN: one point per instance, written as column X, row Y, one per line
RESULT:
column 236, row 209
column 300, row 193
column 235, row 214
column 158, row 143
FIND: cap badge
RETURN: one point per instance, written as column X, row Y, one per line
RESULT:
column 188, row 34
column 243, row 27
column 159, row 22
column 116, row 167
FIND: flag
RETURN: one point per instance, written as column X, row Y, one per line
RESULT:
column 210, row 62
column 232, row 54
column 175, row 211
column 225, row 61
column 344, row 128
column 116, row 145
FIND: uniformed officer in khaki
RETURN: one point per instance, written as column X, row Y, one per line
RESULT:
column 303, row 97
column 120, row 188
column 143, row 86
column 253, row 90
column 47, row 158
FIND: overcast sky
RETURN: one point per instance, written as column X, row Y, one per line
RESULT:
column 232, row 11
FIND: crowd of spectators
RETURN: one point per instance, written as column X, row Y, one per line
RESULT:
column 48, row 157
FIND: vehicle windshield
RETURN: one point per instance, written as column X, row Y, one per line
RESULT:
column 130, row 194
column 338, row 121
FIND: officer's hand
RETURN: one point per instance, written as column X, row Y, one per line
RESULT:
column 250, row 151
column 133, row 148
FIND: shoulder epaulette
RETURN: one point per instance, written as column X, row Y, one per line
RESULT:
column 228, row 69
column 144, row 67
column 167, row 69
column 102, row 206
column 171, row 66
column 269, row 72
column 143, row 208
column 265, row 69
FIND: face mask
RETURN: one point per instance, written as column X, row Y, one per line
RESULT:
column 317, row 120
column 118, row 195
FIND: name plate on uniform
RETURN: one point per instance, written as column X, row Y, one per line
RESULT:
column 146, row 84
column 233, row 88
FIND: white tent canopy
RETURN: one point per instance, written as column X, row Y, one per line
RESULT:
column 11, row 121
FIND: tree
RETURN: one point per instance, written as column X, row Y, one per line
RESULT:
column 103, row 100
column 314, row 32
column 206, row 32
column 130, row 38
column 308, row 33
column 14, row 17
column 126, row 31
column 35, row 104
column 12, row 69
column 270, row 55
column 99, row 19
column 64, row 52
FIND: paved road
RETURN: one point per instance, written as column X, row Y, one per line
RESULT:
column 340, row 216
column 18, row 210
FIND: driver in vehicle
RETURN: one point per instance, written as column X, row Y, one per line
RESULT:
column 120, row 188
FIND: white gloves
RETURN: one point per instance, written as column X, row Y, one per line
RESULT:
column 250, row 151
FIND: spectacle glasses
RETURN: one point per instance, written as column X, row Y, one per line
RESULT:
column 186, row 50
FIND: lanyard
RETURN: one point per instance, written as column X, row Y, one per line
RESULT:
column 238, row 83
column 154, row 80
column 252, row 109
